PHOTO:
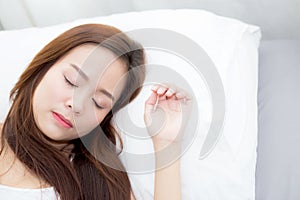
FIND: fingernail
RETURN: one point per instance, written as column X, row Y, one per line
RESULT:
column 154, row 87
column 160, row 90
column 168, row 93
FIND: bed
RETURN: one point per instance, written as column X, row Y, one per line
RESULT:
column 256, row 154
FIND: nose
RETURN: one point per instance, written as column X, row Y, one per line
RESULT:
column 75, row 106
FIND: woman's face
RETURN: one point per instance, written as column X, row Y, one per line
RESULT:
column 77, row 92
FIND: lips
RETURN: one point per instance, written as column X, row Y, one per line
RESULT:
column 62, row 120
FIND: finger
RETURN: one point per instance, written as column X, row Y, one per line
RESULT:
column 151, row 99
column 156, row 104
column 161, row 90
column 162, row 97
column 182, row 95
column 173, row 97
column 154, row 88
column 149, row 107
column 170, row 92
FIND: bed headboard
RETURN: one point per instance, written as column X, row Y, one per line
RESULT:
column 278, row 19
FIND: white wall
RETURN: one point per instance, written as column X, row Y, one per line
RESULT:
column 277, row 18
column 13, row 14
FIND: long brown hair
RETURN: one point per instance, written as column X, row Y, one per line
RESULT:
column 86, row 177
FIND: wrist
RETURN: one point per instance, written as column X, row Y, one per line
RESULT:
column 166, row 153
column 159, row 144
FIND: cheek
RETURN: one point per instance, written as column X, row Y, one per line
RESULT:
column 49, row 91
column 91, row 119
column 96, row 116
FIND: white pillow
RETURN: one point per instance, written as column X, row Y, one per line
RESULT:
column 228, row 173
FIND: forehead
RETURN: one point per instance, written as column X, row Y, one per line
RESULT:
column 90, row 55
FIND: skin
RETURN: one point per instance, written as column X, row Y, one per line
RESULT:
column 14, row 174
column 57, row 96
column 72, row 96
column 176, row 104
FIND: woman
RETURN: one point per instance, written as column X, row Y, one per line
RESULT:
column 59, row 127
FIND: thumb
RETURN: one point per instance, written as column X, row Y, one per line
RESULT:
column 150, row 102
column 149, row 106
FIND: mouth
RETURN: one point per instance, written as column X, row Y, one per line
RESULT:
column 62, row 120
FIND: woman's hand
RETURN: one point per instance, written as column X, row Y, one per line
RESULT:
column 166, row 111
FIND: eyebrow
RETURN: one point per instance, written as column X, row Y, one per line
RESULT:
column 82, row 74
column 106, row 93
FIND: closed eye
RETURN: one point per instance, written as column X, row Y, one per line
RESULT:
column 69, row 82
column 97, row 105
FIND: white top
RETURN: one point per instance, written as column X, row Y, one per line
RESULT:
column 13, row 193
